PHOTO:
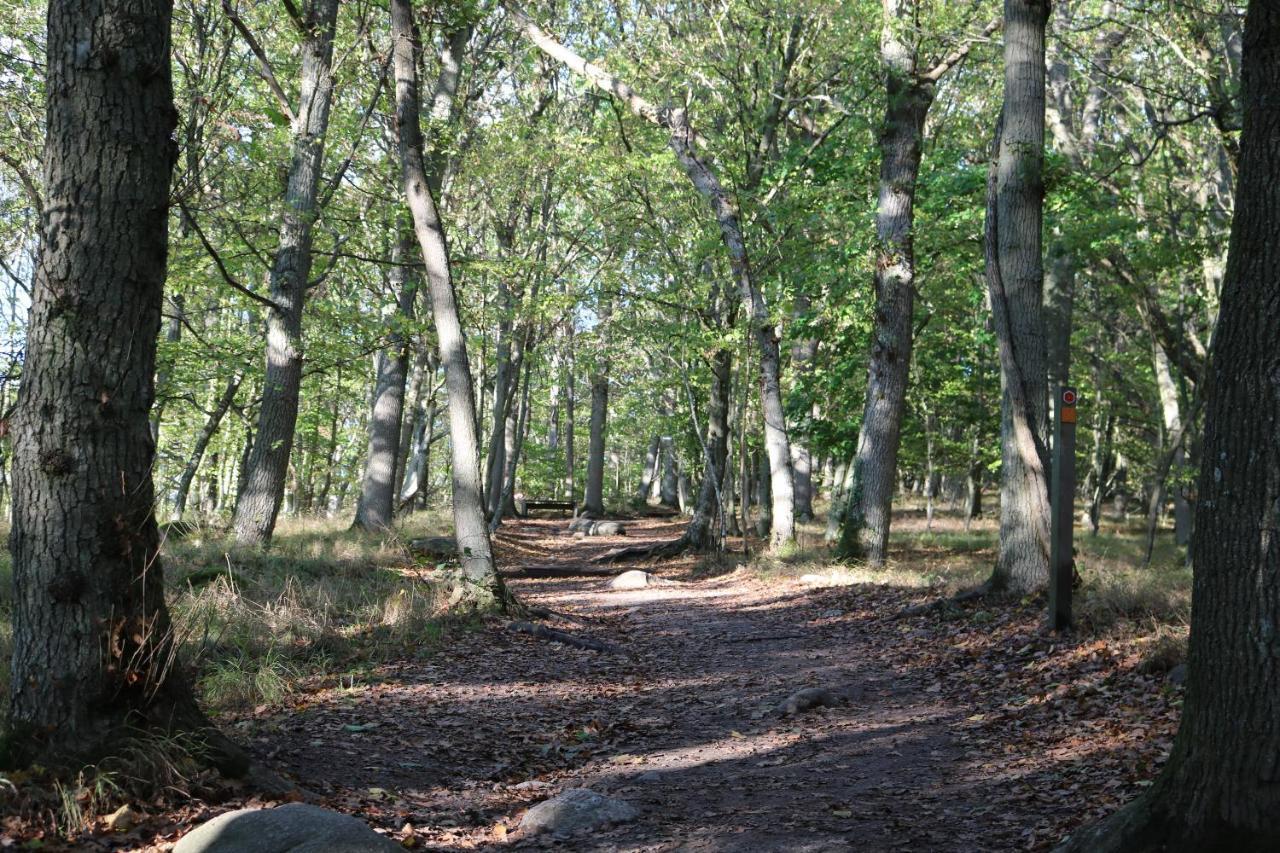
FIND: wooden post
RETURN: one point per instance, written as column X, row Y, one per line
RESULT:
column 1061, row 550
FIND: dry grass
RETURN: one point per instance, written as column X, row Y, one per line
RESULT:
column 1117, row 594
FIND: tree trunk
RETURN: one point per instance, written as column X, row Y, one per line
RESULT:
column 804, row 352
column 973, row 483
column 710, row 506
column 1173, row 427
column 647, row 475
column 1220, row 789
column 480, row 583
column 259, row 503
column 93, row 647
column 669, row 482
column 376, row 505
column 207, row 432
column 593, row 501
column 868, row 506
column 1016, row 281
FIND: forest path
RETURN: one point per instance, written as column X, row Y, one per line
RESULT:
column 457, row 744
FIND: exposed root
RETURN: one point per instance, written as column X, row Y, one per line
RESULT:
column 559, row 572
column 961, row 597
column 556, row 636
column 658, row 550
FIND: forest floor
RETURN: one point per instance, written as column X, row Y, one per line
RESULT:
column 966, row 728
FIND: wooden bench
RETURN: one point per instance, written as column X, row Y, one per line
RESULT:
column 562, row 506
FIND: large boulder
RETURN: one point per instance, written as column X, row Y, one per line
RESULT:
column 292, row 828
column 636, row 579
column 576, row 810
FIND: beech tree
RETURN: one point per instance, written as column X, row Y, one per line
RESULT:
column 479, row 584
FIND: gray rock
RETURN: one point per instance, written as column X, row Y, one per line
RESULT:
column 636, row 579
column 291, row 828
column 1178, row 675
column 807, row 699
column 436, row 547
column 575, row 810
column 593, row 527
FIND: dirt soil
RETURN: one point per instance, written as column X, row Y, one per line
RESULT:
column 970, row 729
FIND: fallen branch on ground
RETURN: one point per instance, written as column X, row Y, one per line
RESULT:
column 544, row 633
column 943, row 603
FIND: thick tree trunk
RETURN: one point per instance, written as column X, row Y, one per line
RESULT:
column 1016, row 281
column 376, row 507
column 259, row 503
column 207, row 432
column 868, row 506
column 480, row 584
column 93, row 647
column 1220, row 789
column 593, row 500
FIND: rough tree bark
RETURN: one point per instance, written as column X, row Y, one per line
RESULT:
column 259, row 503
column 480, row 584
column 1220, row 789
column 1015, row 213
column 93, row 647
column 910, row 93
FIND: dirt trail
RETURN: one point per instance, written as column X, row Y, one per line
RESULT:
column 456, row 746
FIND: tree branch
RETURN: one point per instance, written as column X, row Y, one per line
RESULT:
column 264, row 64
column 217, row 260
column 951, row 60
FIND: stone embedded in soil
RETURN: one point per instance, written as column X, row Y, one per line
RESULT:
column 635, row 579
column 576, row 810
column 808, row 699
column 592, row 527
column 435, row 547
column 292, row 828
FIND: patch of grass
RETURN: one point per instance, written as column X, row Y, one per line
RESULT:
column 254, row 624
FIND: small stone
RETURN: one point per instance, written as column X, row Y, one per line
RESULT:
column 807, row 699
column 830, row 614
column 122, row 819
column 292, row 828
column 576, row 810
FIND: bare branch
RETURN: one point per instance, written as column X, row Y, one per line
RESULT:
column 264, row 64
column 217, row 260
column 951, row 60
